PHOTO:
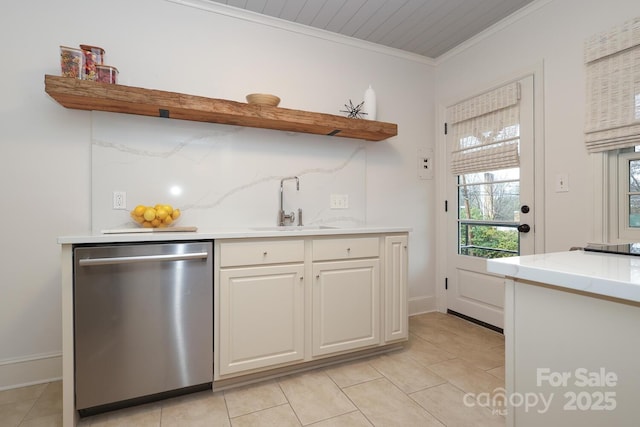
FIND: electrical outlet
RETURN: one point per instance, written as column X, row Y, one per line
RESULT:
column 339, row 201
column 119, row 200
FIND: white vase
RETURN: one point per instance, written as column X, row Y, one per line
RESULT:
column 369, row 106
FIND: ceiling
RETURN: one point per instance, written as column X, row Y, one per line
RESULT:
column 424, row 27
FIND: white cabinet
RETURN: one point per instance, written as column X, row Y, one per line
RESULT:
column 291, row 300
column 261, row 304
column 346, row 294
column 396, row 320
column 346, row 305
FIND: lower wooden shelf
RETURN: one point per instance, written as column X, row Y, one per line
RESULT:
column 88, row 95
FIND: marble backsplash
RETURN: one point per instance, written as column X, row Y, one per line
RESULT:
column 222, row 176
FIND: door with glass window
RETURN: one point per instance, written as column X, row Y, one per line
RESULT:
column 490, row 195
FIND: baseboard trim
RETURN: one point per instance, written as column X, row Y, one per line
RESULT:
column 30, row 370
column 421, row 305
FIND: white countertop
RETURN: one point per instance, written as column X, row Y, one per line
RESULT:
column 227, row 233
column 616, row 276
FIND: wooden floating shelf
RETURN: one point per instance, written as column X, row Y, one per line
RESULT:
column 88, row 95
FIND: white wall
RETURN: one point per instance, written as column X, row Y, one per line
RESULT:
column 46, row 162
column 552, row 34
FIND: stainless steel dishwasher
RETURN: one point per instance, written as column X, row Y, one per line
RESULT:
column 143, row 320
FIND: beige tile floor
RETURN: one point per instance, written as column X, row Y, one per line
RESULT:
column 425, row 384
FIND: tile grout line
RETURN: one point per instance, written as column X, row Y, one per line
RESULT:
column 289, row 402
column 347, row 396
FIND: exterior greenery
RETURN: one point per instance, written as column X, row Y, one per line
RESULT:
column 488, row 241
column 483, row 202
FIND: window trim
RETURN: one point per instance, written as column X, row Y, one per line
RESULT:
column 610, row 205
column 624, row 231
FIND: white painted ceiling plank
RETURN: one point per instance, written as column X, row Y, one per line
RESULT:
column 381, row 16
column 309, row 11
column 256, row 5
column 412, row 26
column 397, row 19
column 274, row 7
column 292, row 9
column 347, row 11
column 327, row 12
column 362, row 15
column 434, row 18
column 460, row 23
column 237, row 3
column 425, row 27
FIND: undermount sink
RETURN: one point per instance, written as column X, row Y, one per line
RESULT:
column 294, row 228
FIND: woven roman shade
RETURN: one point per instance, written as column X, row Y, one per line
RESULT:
column 485, row 131
column 613, row 88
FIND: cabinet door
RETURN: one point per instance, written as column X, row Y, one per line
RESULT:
column 396, row 320
column 261, row 317
column 346, row 305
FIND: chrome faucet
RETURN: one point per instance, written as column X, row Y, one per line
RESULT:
column 290, row 217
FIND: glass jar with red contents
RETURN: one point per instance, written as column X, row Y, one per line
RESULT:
column 94, row 56
column 106, row 74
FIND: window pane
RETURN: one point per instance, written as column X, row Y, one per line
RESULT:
column 634, row 176
column 634, row 211
column 484, row 199
column 488, row 241
column 489, row 196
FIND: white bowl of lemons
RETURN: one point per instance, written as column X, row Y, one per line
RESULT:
column 158, row 216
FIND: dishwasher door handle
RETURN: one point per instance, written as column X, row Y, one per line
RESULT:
column 86, row 262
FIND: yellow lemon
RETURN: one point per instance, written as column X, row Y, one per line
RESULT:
column 139, row 210
column 138, row 219
column 146, row 224
column 156, row 222
column 161, row 213
column 176, row 214
column 168, row 208
column 149, row 214
column 168, row 220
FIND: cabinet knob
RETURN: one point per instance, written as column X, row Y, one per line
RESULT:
column 348, row 249
column 301, row 278
column 264, row 253
column 317, row 276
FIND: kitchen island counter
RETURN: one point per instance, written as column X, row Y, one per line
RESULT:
column 571, row 340
column 609, row 275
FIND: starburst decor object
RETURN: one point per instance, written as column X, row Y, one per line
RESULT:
column 354, row 112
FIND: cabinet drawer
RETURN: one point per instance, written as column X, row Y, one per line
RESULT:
column 263, row 251
column 354, row 247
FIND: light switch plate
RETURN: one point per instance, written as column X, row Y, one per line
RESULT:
column 562, row 183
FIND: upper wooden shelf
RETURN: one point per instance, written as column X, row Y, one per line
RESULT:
column 88, row 95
